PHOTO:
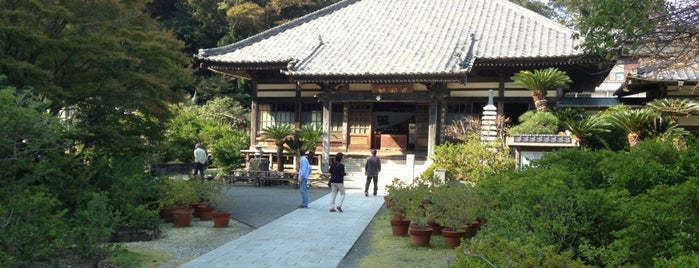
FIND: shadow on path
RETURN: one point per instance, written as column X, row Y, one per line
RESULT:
column 257, row 206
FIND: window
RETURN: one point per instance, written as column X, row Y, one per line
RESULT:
column 337, row 117
column 457, row 111
column 276, row 114
column 360, row 118
column 311, row 113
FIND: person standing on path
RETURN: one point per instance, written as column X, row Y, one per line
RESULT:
column 337, row 182
column 371, row 170
column 200, row 159
column 304, row 172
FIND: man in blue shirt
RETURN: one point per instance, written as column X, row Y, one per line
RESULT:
column 304, row 172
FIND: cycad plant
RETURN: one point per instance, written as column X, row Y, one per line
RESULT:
column 310, row 135
column 582, row 125
column 305, row 138
column 540, row 81
column 278, row 133
column 674, row 108
column 636, row 123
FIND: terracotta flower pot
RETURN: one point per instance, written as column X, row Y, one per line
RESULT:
column 166, row 214
column 399, row 227
column 182, row 217
column 206, row 212
column 436, row 228
column 221, row 218
column 420, row 237
column 472, row 229
column 195, row 207
column 452, row 239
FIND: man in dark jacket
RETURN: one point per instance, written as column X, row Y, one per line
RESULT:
column 337, row 182
column 372, row 167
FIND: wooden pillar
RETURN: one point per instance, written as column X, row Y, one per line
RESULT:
column 325, row 159
column 253, row 123
column 432, row 128
column 437, row 93
column 501, row 93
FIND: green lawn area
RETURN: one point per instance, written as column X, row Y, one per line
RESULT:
column 386, row 250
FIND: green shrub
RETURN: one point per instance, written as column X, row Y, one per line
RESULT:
column 33, row 227
column 603, row 208
column 501, row 252
column 472, row 160
column 532, row 122
column 93, row 226
column 648, row 164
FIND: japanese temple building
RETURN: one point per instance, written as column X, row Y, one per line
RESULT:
column 391, row 74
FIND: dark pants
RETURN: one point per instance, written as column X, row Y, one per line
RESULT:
column 199, row 168
column 368, row 182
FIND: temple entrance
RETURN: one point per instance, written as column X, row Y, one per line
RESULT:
column 394, row 126
column 359, row 126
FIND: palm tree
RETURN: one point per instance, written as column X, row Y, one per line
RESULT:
column 310, row 134
column 539, row 82
column 674, row 108
column 585, row 125
column 305, row 138
column 636, row 123
column 278, row 133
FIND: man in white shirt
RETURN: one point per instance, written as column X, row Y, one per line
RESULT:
column 200, row 159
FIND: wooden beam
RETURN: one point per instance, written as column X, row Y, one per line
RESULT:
column 372, row 97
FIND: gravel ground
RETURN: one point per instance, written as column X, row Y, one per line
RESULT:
column 183, row 244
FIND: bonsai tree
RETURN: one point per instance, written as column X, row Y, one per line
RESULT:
column 532, row 122
column 455, row 206
column 416, row 201
column 178, row 193
column 278, row 133
column 215, row 193
column 396, row 198
column 539, row 82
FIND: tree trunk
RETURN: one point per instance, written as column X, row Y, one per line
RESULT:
column 540, row 102
column 633, row 138
column 280, row 158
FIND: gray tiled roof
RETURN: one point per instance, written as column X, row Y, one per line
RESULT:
column 685, row 74
column 401, row 37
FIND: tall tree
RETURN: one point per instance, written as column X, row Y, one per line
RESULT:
column 107, row 61
column 662, row 32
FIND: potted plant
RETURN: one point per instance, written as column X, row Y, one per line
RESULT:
column 217, row 196
column 456, row 207
column 417, row 200
column 177, row 194
column 396, row 194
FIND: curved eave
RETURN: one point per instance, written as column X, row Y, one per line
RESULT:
column 538, row 61
column 381, row 78
column 243, row 66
